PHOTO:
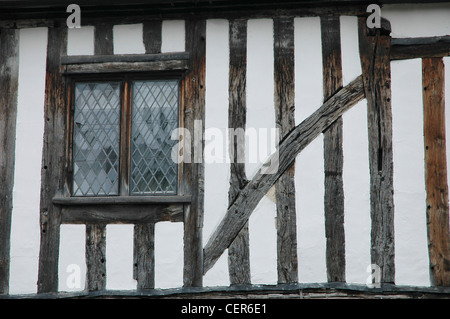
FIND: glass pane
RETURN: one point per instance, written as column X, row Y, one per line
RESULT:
column 154, row 117
column 96, row 139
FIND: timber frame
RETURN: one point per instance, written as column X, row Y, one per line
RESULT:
column 377, row 49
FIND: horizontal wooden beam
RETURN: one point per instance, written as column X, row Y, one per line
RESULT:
column 121, row 200
column 121, row 214
column 240, row 210
column 412, row 48
column 302, row 290
column 111, row 67
column 83, row 59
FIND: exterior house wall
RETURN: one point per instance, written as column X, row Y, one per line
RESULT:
column 410, row 224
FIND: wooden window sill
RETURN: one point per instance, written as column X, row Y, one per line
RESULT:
column 122, row 209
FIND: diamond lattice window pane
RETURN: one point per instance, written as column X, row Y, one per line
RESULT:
column 154, row 117
column 96, row 139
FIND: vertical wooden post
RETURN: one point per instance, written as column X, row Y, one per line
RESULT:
column 96, row 234
column 193, row 96
column 144, row 234
column 333, row 153
column 144, row 255
column 103, row 39
column 284, row 80
column 152, row 36
column 9, row 81
column 376, row 68
column 53, row 161
column 433, row 77
column 238, row 251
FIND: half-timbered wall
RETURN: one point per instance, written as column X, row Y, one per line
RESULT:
column 265, row 48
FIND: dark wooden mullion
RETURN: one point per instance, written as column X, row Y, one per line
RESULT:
column 70, row 96
column 125, row 139
column 374, row 48
column 193, row 179
column 144, row 234
column 53, row 162
column 9, row 70
column 433, row 77
column 284, row 78
column 333, row 153
column 239, row 251
column 96, row 233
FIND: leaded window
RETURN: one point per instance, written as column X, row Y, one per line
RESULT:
column 122, row 137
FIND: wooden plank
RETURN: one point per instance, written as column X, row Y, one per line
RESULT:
column 144, row 255
column 124, row 200
column 239, row 250
column 103, row 38
column 333, row 153
column 53, row 161
column 413, row 48
column 433, row 77
column 9, row 81
column 96, row 233
column 303, row 134
column 193, row 97
column 114, row 67
column 284, row 98
column 375, row 63
column 152, row 34
column 95, row 257
column 144, row 234
column 121, row 214
column 86, row 59
column 282, row 291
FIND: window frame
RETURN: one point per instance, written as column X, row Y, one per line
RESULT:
column 126, row 79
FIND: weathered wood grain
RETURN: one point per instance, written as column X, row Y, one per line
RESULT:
column 144, row 255
column 152, row 30
column 120, row 200
column 239, row 250
column 284, row 101
column 333, row 153
column 433, row 78
column 121, row 214
column 103, row 38
column 96, row 233
column 9, row 81
column 238, row 213
column 375, row 63
column 96, row 262
column 114, row 67
column 193, row 97
column 413, row 48
column 122, row 58
column 53, row 160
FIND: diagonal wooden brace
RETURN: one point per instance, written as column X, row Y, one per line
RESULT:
column 295, row 141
